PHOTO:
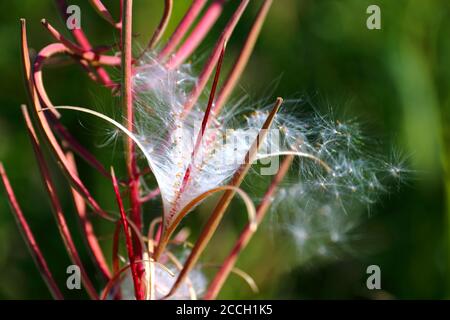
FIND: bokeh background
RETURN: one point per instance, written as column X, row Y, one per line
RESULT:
column 397, row 80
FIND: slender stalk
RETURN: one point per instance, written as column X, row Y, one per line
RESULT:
column 39, row 62
column 103, row 11
column 91, row 56
column 115, row 248
column 246, row 235
column 86, row 225
column 56, row 207
column 129, row 244
column 121, row 11
column 60, row 38
column 35, row 251
column 214, row 56
column 198, row 34
column 182, row 27
column 127, row 105
column 168, row 5
column 244, row 56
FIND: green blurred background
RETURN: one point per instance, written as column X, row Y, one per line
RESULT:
column 396, row 80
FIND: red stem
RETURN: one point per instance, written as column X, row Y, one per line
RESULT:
column 29, row 238
column 247, row 233
column 242, row 60
column 168, row 4
column 182, row 28
column 127, row 100
column 198, row 34
column 115, row 256
column 87, row 227
column 103, row 11
column 91, row 55
column 56, row 206
column 131, row 256
column 214, row 57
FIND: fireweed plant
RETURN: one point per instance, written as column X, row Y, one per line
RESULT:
column 195, row 144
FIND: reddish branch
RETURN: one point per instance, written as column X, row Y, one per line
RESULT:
column 242, row 60
column 103, row 12
column 198, row 34
column 86, row 226
column 248, row 232
column 127, row 104
column 57, row 208
column 131, row 255
column 215, row 55
column 168, row 4
column 90, row 56
column 29, row 238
